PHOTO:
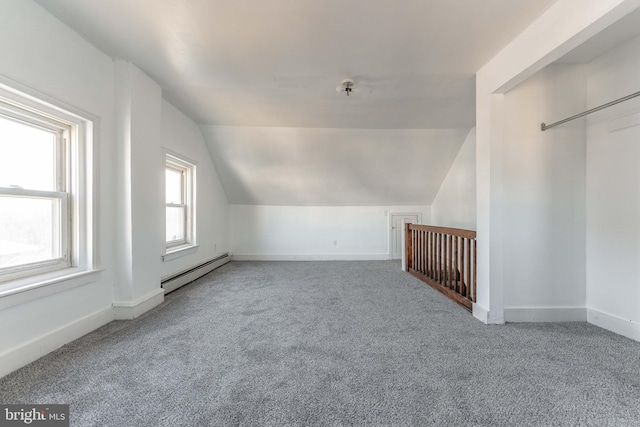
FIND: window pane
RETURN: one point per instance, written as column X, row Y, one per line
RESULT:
column 175, row 223
column 27, row 230
column 173, row 186
column 27, row 156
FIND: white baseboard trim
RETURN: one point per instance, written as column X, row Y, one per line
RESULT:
column 310, row 257
column 127, row 310
column 625, row 327
column 485, row 316
column 545, row 314
column 34, row 349
column 480, row 313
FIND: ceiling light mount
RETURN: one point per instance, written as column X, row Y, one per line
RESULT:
column 346, row 86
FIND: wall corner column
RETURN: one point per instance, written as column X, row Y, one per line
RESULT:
column 139, row 232
column 489, row 306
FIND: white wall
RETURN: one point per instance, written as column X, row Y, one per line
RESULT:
column 309, row 232
column 134, row 123
column 140, row 162
column 557, row 31
column 41, row 53
column 613, row 192
column 455, row 203
column 180, row 134
column 147, row 124
column 544, row 193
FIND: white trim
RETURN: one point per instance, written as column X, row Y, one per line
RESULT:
column 17, row 293
column 496, row 318
column 624, row 122
column 189, row 167
column 179, row 252
column 37, row 99
column 480, row 313
column 486, row 316
column 390, row 227
column 82, row 164
column 126, row 310
column 179, row 158
column 34, row 349
column 310, row 257
column 610, row 322
column 60, row 235
column 545, row 314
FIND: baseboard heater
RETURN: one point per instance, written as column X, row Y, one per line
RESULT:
column 174, row 281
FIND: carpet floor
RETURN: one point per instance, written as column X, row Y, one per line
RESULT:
column 332, row 343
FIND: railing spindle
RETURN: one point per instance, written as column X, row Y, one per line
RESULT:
column 422, row 252
column 415, row 248
column 433, row 255
column 455, row 264
column 417, row 265
column 438, row 255
column 475, row 266
column 448, row 259
column 413, row 245
column 468, row 269
column 409, row 242
column 439, row 258
column 427, row 254
column 431, row 258
column 443, row 259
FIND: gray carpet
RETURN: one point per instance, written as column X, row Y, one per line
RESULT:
column 332, row 343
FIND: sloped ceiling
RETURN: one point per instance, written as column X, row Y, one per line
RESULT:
column 256, row 64
column 360, row 167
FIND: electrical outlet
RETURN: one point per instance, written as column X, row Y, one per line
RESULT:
column 335, row 243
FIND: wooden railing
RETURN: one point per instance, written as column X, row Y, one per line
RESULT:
column 444, row 258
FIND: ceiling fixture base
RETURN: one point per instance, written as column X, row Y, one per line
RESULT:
column 346, row 86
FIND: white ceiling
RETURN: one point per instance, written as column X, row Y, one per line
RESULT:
column 261, row 77
column 278, row 62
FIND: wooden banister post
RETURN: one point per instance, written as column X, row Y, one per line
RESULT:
column 408, row 247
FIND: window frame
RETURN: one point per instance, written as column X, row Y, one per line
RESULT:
column 61, row 232
column 187, row 168
column 76, row 193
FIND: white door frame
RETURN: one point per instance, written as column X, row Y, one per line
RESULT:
column 391, row 214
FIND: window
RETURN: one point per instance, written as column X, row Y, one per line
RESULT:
column 43, row 190
column 179, row 203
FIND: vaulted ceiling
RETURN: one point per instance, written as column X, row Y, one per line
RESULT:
column 327, row 167
column 249, row 63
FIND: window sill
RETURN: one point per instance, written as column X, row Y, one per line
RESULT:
column 25, row 290
column 179, row 252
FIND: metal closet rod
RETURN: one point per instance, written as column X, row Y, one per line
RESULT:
column 544, row 126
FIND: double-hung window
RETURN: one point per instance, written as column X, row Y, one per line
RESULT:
column 43, row 190
column 179, row 203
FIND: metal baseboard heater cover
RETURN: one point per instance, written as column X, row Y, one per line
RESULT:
column 174, row 281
